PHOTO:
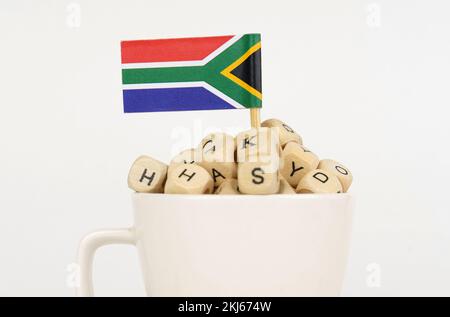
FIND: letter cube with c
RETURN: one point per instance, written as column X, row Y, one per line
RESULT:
column 217, row 157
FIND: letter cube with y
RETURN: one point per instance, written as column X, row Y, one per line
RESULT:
column 147, row 175
column 258, row 178
column 296, row 161
column 286, row 133
column 217, row 157
column 285, row 188
column 320, row 182
column 338, row 170
column 189, row 179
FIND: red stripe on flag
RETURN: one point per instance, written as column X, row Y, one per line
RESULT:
column 171, row 50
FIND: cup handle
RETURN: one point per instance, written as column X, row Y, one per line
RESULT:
column 89, row 246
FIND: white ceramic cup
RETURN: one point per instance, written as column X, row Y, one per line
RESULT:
column 211, row 245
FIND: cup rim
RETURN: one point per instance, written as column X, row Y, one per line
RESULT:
column 341, row 196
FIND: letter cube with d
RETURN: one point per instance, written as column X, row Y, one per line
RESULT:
column 338, row 170
column 319, row 181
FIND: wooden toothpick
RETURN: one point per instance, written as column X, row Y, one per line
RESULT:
column 255, row 118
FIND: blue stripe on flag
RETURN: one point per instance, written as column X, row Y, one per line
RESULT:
column 172, row 99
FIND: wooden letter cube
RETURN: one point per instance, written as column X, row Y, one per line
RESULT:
column 296, row 162
column 217, row 147
column 228, row 187
column 286, row 133
column 189, row 156
column 319, row 181
column 217, row 157
column 147, row 175
column 338, row 170
column 285, row 188
column 189, row 179
column 258, row 145
column 258, row 178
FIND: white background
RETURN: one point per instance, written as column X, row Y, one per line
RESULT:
column 364, row 82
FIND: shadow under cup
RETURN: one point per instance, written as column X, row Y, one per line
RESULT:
column 209, row 245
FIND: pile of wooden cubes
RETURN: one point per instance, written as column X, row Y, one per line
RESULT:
column 261, row 161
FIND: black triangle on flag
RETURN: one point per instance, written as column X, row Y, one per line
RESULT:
column 249, row 71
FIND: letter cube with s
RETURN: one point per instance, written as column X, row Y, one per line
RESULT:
column 258, row 178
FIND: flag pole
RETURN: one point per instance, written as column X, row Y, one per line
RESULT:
column 255, row 118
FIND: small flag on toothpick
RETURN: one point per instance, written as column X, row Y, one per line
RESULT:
column 202, row 73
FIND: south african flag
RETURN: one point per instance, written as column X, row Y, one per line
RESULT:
column 201, row 73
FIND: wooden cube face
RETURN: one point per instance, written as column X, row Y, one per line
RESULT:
column 296, row 162
column 189, row 179
column 258, row 178
column 189, row 156
column 217, row 157
column 320, row 182
column 258, row 145
column 286, row 133
column 228, row 187
column 217, row 147
column 147, row 175
column 220, row 171
column 340, row 171
column 285, row 188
